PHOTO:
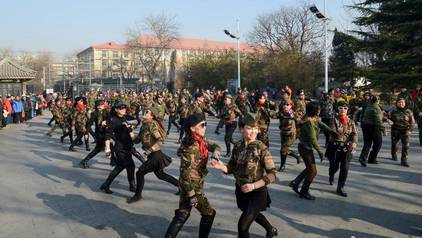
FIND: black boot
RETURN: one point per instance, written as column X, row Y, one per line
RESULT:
column 283, row 161
column 206, row 223
column 132, row 186
column 61, row 139
column 340, row 188
column 217, row 132
column 405, row 163
column 331, row 178
column 177, row 223
column 137, row 196
column 272, row 233
column 306, row 195
column 296, row 156
column 84, row 163
column 71, row 148
column 294, row 185
column 105, row 188
column 362, row 162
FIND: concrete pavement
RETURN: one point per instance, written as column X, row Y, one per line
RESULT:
column 45, row 194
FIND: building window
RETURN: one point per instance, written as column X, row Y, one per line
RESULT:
column 125, row 54
column 115, row 62
column 104, row 63
column 115, row 54
column 104, row 53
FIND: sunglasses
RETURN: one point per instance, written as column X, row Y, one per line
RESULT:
column 342, row 108
column 203, row 125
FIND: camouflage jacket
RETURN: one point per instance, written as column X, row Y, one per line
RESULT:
column 172, row 107
column 151, row 134
column 403, row 119
column 252, row 162
column 196, row 107
column 346, row 133
column 183, row 110
column 79, row 120
column 230, row 113
column 67, row 116
column 57, row 114
column 193, row 167
column 300, row 110
column 263, row 117
column 286, row 122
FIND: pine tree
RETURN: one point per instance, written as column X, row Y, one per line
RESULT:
column 342, row 61
column 392, row 37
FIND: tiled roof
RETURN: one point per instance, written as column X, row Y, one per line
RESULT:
column 197, row 44
column 11, row 70
column 109, row 45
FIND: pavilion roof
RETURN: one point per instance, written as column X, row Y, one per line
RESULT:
column 12, row 70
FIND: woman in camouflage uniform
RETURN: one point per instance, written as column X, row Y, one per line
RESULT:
column 253, row 168
column 194, row 153
column 340, row 146
column 152, row 135
column 403, row 123
column 79, row 121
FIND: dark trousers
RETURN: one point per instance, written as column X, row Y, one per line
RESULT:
column 123, row 161
column 153, row 164
column 310, row 171
column 172, row 120
column 398, row 135
column 372, row 136
column 328, row 122
column 67, row 132
column 220, row 124
column 182, row 124
column 419, row 125
column 17, row 117
column 229, row 131
column 99, row 145
column 79, row 136
column 339, row 160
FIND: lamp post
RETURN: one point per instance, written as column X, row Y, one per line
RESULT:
column 321, row 16
column 237, row 37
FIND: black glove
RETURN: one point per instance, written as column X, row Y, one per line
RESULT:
column 321, row 155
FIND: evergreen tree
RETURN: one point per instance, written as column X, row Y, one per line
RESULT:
column 392, row 36
column 342, row 61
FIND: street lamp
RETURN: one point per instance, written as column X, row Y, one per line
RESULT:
column 322, row 17
column 237, row 37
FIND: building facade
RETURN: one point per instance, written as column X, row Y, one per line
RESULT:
column 127, row 63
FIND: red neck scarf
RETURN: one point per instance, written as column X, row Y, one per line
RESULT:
column 343, row 119
column 203, row 147
column 80, row 106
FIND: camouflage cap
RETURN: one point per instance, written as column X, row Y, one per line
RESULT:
column 249, row 120
column 154, row 110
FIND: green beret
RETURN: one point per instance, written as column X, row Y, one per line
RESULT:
column 249, row 120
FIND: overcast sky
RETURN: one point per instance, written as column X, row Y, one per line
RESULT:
column 63, row 26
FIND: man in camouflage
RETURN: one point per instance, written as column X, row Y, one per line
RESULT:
column 67, row 112
column 403, row 123
column 263, row 119
column 183, row 112
column 57, row 115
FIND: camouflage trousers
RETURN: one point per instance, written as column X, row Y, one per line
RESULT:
column 263, row 135
column 398, row 135
column 203, row 205
column 286, row 142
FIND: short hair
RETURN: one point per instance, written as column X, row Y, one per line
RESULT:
column 312, row 109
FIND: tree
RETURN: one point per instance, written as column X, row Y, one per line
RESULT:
column 343, row 65
column 287, row 30
column 391, row 34
column 148, row 42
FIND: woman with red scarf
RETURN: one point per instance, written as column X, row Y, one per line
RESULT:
column 194, row 153
column 340, row 147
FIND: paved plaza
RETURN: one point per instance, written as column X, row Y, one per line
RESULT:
column 45, row 194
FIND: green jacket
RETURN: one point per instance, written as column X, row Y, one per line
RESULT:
column 309, row 133
column 373, row 115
